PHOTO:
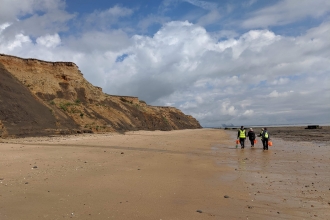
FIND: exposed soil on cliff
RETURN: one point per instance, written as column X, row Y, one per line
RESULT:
column 44, row 98
column 21, row 113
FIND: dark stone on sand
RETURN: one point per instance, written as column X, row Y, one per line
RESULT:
column 35, row 167
column 226, row 196
column 26, row 182
column 199, row 211
column 122, row 153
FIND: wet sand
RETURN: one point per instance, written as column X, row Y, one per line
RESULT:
column 300, row 133
column 187, row 174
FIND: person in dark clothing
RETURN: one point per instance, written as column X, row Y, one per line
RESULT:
column 252, row 136
column 241, row 135
column 265, row 138
column 260, row 135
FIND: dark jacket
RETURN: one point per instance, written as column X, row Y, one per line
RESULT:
column 251, row 135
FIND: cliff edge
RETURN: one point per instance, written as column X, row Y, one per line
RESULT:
column 40, row 98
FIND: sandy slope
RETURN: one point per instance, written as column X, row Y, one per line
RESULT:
column 162, row 175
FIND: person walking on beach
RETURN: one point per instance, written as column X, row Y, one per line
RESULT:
column 241, row 135
column 260, row 135
column 265, row 138
column 252, row 136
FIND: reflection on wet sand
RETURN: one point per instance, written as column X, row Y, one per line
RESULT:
column 287, row 181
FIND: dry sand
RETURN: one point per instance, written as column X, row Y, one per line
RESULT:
column 162, row 175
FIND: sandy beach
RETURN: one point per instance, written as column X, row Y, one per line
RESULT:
column 185, row 174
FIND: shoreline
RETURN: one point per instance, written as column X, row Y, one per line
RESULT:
column 297, row 133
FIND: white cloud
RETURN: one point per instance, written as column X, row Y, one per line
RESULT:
column 116, row 11
column 34, row 17
column 228, row 109
column 10, row 10
column 146, row 22
column 4, row 26
column 254, row 40
column 106, row 18
column 224, row 34
column 275, row 94
column 100, row 41
column 188, row 105
column 248, row 112
column 49, row 40
column 286, row 12
column 203, row 4
column 199, row 99
column 169, row 104
column 110, row 14
column 17, row 42
column 184, row 65
column 280, row 81
column 249, row 3
column 245, row 103
column 210, row 18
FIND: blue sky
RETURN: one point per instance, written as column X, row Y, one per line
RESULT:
column 252, row 62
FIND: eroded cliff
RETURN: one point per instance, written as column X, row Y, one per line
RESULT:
column 44, row 98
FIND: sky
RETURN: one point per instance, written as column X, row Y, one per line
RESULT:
column 225, row 62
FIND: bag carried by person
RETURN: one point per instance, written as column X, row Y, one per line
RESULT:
column 270, row 143
column 255, row 141
column 237, row 142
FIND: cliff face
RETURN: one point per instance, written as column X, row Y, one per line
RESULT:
column 45, row 98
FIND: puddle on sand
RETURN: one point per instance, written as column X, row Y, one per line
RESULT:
column 289, row 178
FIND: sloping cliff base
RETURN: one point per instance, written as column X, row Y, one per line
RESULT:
column 44, row 98
column 183, row 174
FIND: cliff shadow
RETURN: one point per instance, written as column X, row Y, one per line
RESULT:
column 21, row 112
